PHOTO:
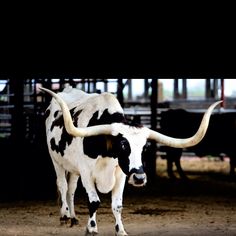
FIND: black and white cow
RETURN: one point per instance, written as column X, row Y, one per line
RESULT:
column 88, row 137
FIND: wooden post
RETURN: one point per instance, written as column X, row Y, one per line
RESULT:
column 18, row 127
column 17, row 113
column 120, row 96
column 215, row 89
column 184, row 92
column 176, row 88
column 46, row 84
column 146, row 87
column 150, row 156
column 154, row 97
column 94, row 82
column 208, row 88
column 222, row 97
column 105, row 85
column 129, row 83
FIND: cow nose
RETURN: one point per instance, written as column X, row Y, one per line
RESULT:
column 138, row 180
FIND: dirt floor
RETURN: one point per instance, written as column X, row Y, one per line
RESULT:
column 203, row 205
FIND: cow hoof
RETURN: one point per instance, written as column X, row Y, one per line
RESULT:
column 232, row 178
column 91, row 232
column 74, row 221
column 172, row 177
column 185, row 178
column 65, row 220
column 122, row 233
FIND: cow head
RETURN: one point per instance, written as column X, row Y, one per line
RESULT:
column 127, row 147
column 129, row 141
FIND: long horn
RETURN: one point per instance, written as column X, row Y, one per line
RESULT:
column 187, row 142
column 70, row 128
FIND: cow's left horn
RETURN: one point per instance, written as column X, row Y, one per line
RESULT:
column 187, row 142
column 70, row 128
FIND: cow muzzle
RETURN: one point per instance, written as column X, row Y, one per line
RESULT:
column 137, row 180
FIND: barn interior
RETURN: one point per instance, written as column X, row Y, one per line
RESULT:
column 27, row 173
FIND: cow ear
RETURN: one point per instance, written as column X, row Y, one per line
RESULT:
column 108, row 143
column 146, row 146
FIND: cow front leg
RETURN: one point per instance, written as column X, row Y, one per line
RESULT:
column 117, row 202
column 170, row 168
column 92, row 223
column 179, row 169
column 72, row 185
column 93, row 204
column 173, row 155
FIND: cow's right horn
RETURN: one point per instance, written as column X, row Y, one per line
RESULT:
column 70, row 128
column 187, row 142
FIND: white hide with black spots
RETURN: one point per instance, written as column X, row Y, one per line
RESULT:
column 101, row 173
column 88, row 137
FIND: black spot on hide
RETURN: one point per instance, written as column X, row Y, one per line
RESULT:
column 46, row 114
column 122, row 150
column 97, row 145
column 93, row 223
column 93, row 206
column 108, row 145
column 55, row 114
column 57, row 122
column 106, row 118
column 65, row 137
column 117, row 228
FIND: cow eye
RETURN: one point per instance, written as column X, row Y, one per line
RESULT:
column 146, row 147
column 123, row 145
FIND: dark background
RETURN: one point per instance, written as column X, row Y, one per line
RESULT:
column 122, row 44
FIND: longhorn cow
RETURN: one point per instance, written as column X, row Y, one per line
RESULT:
column 88, row 137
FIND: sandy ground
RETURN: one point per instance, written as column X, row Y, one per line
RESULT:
column 204, row 205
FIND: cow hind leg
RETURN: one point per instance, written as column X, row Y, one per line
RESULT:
column 72, row 185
